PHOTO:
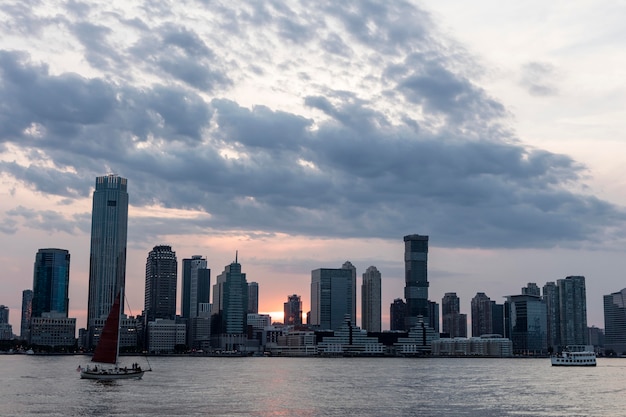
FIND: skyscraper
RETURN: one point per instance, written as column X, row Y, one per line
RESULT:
column 332, row 294
column 553, row 329
column 397, row 314
column 27, row 312
column 196, row 286
column 573, row 311
column 293, row 311
column 230, row 301
column 107, row 259
column 253, row 298
column 161, row 280
column 348, row 265
column 4, row 314
column 416, row 278
column 454, row 323
column 615, row 322
column 526, row 323
column 370, row 300
column 51, row 280
column 482, row 322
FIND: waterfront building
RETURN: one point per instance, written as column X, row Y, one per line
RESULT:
column 416, row 279
column 418, row 340
column 527, row 324
column 596, row 337
column 348, row 265
column 454, row 322
column 6, row 330
column 332, row 295
column 230, row 301
column 371, row 300
column 107, row 258
column 253, row 298
column 294, row 343
column 488, row 345
column 130, row 328
column 573, row 311
column 196, row 286
column 161, row 280
column 350, row 340
column 615, row 322
column 553, row 318
column 293, row 311
column 27, row 312
column 397, row 314
column 164, row 335
column 433, row 315
column 53, row 329
column 51, row 279
column 482, row 322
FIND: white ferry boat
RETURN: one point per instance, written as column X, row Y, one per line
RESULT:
column 578, row 355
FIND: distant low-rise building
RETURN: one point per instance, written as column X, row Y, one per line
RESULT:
column 164, row 335
column 486, row 345
column 53, row 330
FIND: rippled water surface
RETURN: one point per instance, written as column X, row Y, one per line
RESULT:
column 50, row 386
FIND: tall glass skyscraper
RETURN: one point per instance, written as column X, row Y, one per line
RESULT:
column 107, row 259
column 332, row 294
column 161, row 279
column 230, row 301
column 293, row 311
column 416, row 279
column 51, row 279
column 615, row 322
column 253, row 298
column 370, row 300
column 27, row 312
column 196, row 286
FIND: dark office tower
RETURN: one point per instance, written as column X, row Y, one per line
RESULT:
column 433, row 315
column 454, row 323
column 332, row 294
column 531, row 289
column 615, row 322
column 27, row 313
column 416, row 278
column 253, row 298
column 482, row 322
column 397, row 314
column 4, row 314
column 526, row 324
column 293, row 311
column 348, row 265
column 497, row 319
column 573, row 311
column 553, row 329
column 196, row 286
column 107, row 259
column 51, row 280
column 230, row 300
column 370, row 300
column 161, row 280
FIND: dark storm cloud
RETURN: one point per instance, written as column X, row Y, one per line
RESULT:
column 430, row 152
column 49, row 220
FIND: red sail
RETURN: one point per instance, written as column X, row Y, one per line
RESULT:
column 106, row 350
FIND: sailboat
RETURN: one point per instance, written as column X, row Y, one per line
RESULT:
column 108, row 351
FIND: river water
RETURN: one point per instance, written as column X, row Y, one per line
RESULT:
column 188, row 386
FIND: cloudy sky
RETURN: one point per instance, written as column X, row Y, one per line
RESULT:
column 305, row 134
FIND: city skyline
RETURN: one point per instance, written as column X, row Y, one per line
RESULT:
column 306, row 135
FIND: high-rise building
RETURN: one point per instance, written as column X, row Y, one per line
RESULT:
column 371, row 300
column 27, row 312
column 397, row 314
column 332, row 295
column 230, row 301
column 161, row 280
column 615, row 322
column 196, row 287
column 51, row 280
column 573, row 311
column 107, row 259
column 348, row 265
column 253, row 298
column 497, row 319
column 531, row 289
column 4, row 314
column 482, row 322
column 526, row 324
column 454, row 323
column 553, row 331
column 293, row 311
column 416, row 279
